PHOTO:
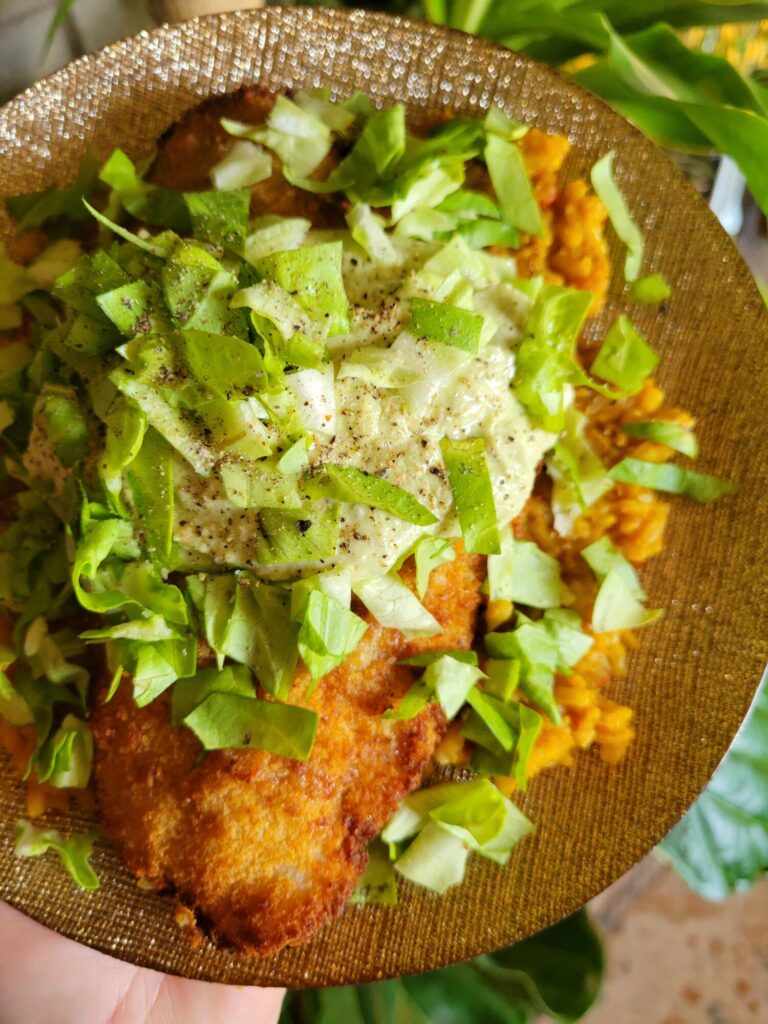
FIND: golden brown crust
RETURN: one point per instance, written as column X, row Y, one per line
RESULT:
column 264, row 849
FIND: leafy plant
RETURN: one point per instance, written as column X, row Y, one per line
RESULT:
column 721, row 844
column 557, row 972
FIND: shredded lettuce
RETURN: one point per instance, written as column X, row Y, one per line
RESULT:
column 578, row 475
column 616, row 606
column 524, row 574
column 470, row 481
column 296, row 134
column 612, row 198
column 625, row 357
column 395, row 606
column 189, row 694
column 378, row 884
column 492, row 722
column 75, row 852
column 503, row 678
column 231, row 721
column 602, row 556
column 650, row 290
column 309, row 534
column 154, row 248
column 512, row 185
column 680, row 439
column 313, row 275
column 271, row 233
column 447, row 679
column 346, row 483
column 260, row 634
column 329, row 633
column 367, row 229
column 667, row 477
column 245, row 164
column 428, row 554
column 447, row 324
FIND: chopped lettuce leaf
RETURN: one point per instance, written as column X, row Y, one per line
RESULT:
column 214, row 599
column 127, row 307
column 151, row 203
column 512, row 185
column 313, row 275
column 427, row 188
column 66, row 758
column 295, row 459
column 503, row 678
column 602, row 556
column 367, row 229
column 309, row 534
column 428, row 554
column 680, row 439
column 66, row 425
column 13, row 708
column 231, row 721
column 617, row 606
column 493, row 714
column 92, row 551
column 337, row 116
column 244, row 165
column 271, row 233
column 612, row 198
column 337, row 585
column 314, row 397
column 378, row 884
column 447, row 324
column 299, row 137
column 470, row 482
column 154, row 248
column 667, row 477
column 149, row 475
column 651, row 290
column 436, row 859
column 532, row 645
column 625, row 357
column 451, row 681
column 395, row 606
column 424, row 658
column 346, row 483
column 126, row 427
column 490, row 757
column 259, row 485
column 75, row 852
column 498, row 123
column 220, row 218
column 329, row 634
column 189, row 694
column 152, row 675
column 524, row 574
column 578, row 475
column 260, row 634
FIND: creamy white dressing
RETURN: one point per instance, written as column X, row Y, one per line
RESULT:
column 393, row 433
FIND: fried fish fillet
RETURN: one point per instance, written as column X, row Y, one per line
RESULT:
column 262, row 848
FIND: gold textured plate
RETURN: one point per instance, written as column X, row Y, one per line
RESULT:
column 693, row 680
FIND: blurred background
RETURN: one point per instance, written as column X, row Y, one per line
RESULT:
column 683, row 937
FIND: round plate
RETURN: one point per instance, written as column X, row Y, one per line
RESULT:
column 693, row 679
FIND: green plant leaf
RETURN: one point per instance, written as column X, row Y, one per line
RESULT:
column 721, row 845
column 557, row 972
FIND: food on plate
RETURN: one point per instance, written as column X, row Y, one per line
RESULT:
column 314, row 482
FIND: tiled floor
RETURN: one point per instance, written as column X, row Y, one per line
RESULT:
column 673, row 958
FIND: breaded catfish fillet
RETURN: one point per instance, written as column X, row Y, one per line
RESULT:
column 265, row 849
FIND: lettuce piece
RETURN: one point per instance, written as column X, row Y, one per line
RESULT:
column 329, row 634
column 198, row 292
column 565, row 627
column 533, row 646
column 680, row 439
column 47, row 654
column 348, row 484
column 225, row 365
column 490, row 758
column 448, row 679
column 428, row 188
column 66, row 425
column 280, row 320
column 147, row 630
column 367, row 229
column 144, row 583
column 300, row 138
column 524, row 574
column 260, row 634
column 150, row 478
column 13, row 708
column 313, row 275
column 271, row 233
column 512, row 185
column 74, row 852
column 244, row 165
column 189, row 694
column 612, row 198
column 470, row 482
column 578, row 475
column 231, row 721
column 92, row 551
column 625, row 357
column 150, row 203
column 424, row 658
column 377, row 151
column 650, row 290
column 497, row 122
column 126, row 427
column 66, row 758
column 337, row 585
column 481, row 233
column 602, row 556
column 503, row 678
column 447, row 324
column 309, row 534
column 468, row 205
column 674, row 479
column 436, row 859
column 214, row 599
column 154, row 248
column 339, row 117
column 127, row 307
column 426, row 225
column 617, row 607
column 295, row 458
column 428, row 554
column 220, row 218
column 395, row 606
column 260, row 485
column 378, row 884
column 493, row 714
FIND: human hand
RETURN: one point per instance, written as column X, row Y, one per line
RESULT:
column 47, row 979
